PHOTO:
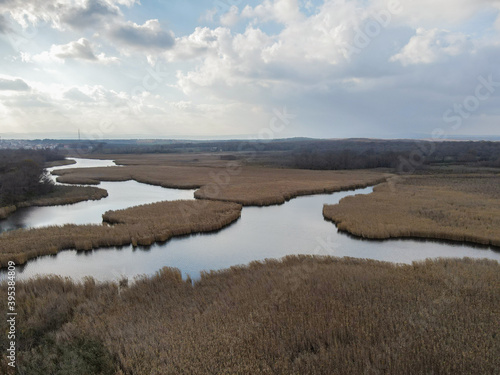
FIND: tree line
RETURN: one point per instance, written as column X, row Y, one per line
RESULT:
column 22, row 174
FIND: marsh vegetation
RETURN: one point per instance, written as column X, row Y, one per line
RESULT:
column 301, row 315
column 225, row 180
column 139, row 226
column 445, row 206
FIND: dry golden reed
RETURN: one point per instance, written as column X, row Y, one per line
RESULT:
column 463, row 208
column 142, row 225
column 301, row 315
column 223, row 180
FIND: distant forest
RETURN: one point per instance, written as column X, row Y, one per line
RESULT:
column 22, row 174
column 401, row 155
column 321, row 154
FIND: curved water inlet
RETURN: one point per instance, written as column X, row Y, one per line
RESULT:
column 296, row 227
column 120, row 195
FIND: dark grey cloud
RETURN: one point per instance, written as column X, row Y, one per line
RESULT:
column 13, row 85
column 146, row 37
column 4, row 24
column 92, row 13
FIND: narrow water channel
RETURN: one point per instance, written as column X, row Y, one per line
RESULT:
column 120, row 195
column 296, row 227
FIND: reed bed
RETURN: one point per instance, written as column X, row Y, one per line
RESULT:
column 463, row 208
column 67, row 195
column 58, row 163
column 139, row 226
column 247, row 185
column 60, row 196
column 6, row 211
column 300, row 315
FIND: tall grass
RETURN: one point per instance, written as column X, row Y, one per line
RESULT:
column 142, row 225
column 301, row 315
column 451, row 207
column 247, row 185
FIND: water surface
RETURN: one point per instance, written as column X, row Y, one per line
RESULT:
column 296, row 227
column 120, row 195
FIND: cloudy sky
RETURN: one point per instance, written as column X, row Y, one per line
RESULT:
column 238, row 68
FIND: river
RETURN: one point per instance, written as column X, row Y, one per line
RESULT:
column 296, row 227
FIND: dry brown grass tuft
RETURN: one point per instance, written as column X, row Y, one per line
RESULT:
column 142, row 225
column 463, row 208
column 301, row 315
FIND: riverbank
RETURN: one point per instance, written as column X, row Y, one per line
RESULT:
column 60, row 195
column 301, row 315
column 140, row 225
column 456, row 207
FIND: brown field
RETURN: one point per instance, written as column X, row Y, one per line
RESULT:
column 463, row 208
column 141, row 225
column 302, row 315
column 60, row 196
column 223, row 180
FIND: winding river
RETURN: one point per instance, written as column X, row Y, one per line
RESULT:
column 296, row 227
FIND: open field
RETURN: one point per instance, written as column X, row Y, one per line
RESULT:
column 141, row 225
column 59, row 196
column 225, row 180
column 301, row 315
column 463, row 208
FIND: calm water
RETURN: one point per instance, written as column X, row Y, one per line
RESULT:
column 120, row 195
column 297, row 227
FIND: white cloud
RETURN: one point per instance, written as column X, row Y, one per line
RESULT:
column 81, row 49
column 76, row 95
column 86, row 107
column 12, row 84
column 426, row 13
column 200, row 43
column 282, row 11
column 231, row 17
column 253, row 58
column 77, row 14
column 429, row 46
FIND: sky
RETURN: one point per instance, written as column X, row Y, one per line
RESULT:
column 249, row 69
